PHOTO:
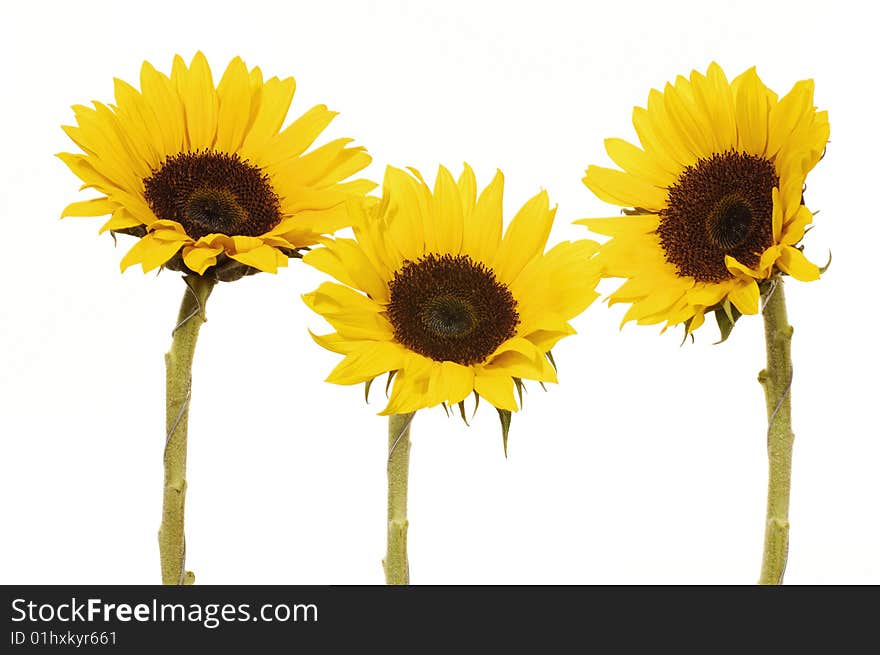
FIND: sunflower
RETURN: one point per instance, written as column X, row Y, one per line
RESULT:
column 715, row 196
column 432, row 294
column 205, row 176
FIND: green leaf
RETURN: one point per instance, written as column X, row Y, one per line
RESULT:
column 505, row 417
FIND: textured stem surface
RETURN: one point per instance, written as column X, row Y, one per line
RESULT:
column 178, row 384
column 776, row 380
column 396, row 564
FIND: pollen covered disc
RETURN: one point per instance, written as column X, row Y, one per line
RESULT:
column 721, row 205
column 450, row 308
column 213, row 193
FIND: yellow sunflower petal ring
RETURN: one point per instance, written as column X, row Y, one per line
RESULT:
column 432, row 293
column 716, row 196
column 205, row 176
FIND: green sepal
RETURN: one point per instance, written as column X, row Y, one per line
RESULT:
column 519, row 389
column 636, row 211
column 822, row 269
column 726, row 316
column 391, row 375
column 505, row 416
column 549, row 356
column 367, row 386
column 687, row 332
column 461, row 411
column 445, row 408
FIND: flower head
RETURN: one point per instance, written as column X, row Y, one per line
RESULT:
column 716, row 197
column 205, row 176
column 432, row 294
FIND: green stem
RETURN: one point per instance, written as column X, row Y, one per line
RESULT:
column 776, row 380
column 396, row 564
column 178, row 384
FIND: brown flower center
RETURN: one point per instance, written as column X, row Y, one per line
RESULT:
column 450, row 308
column 720, row 206
column 213, row 192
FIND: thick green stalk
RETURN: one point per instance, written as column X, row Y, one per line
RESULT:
column 776, row 380
column 396, row 564
column 178, row 385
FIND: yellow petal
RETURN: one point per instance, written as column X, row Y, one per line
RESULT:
column 792, row 108
column 406, row 207
column 196, row 90
column 777, row 216
column 637, row 162
column 739, row 269
column 482, row 229
column 93, row 207
column 712, row 93
column 752, row 104
column 467, row 187
column 159, row 95
column 275, row 97
column 654, row 143
column 150, row 252
column 410, row 391
column 200, row 258
column 545, row 340
column 120, row 220
column 697, row 320
column 456, row 382
column 619, row 225
column 795, row 263
column 310, row 168
column 366, row 360
column 525, row 237
column 136, row 115
column 497, row 389
column 265, row 258
column 560, row 283
column 234, row 97
column 353, row 315
column 334, row 342
column 660, row 301
column 298, row 136
column 623, row 189
column 708, row 294
column 745, row 296
column 344, row 260
column 168, row 231
column 516, row 364
column 691, row 125
column 448, row 213
column 794, row 230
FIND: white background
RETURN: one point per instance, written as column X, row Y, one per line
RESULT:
column 646, row 464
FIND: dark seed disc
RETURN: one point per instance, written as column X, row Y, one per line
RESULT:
column 720, row 206
column 450, row 308
column 213, row 192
